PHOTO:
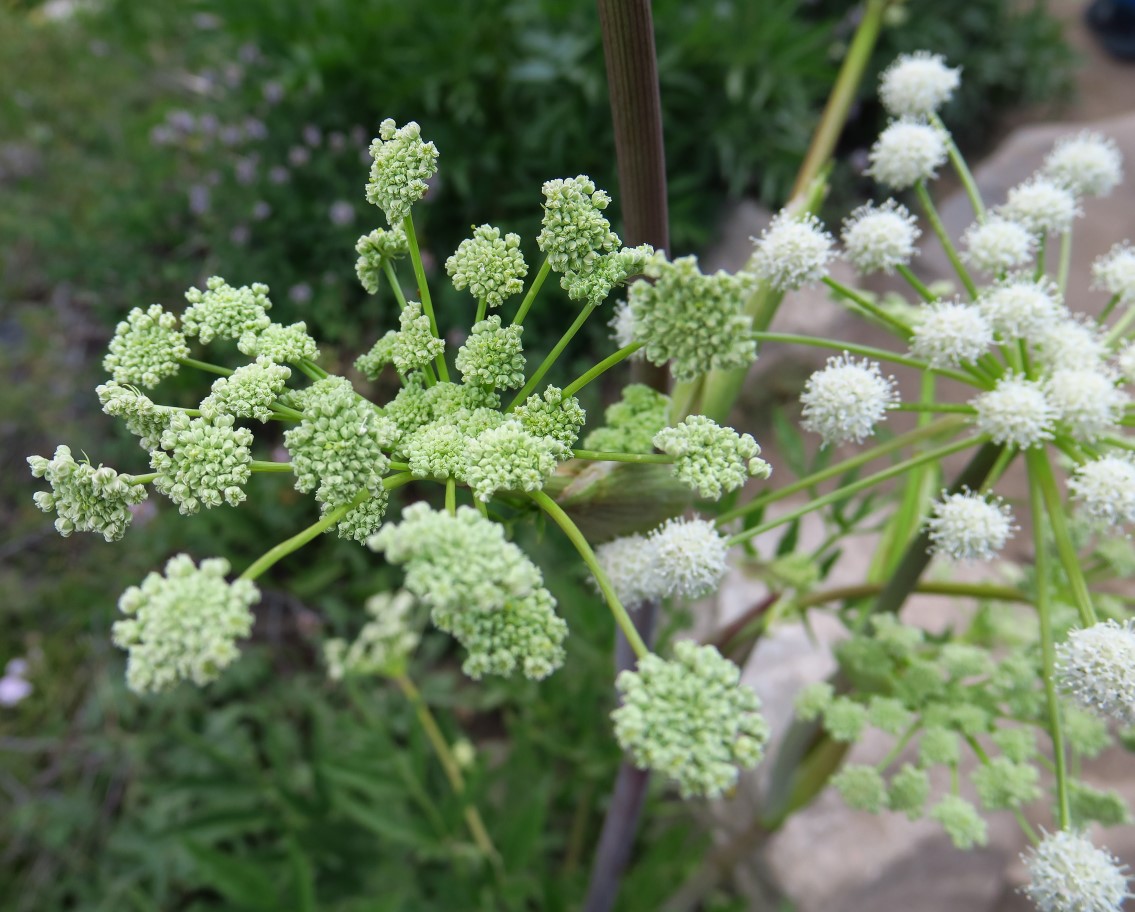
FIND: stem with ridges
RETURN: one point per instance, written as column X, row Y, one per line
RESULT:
column 205, row 366
column 893, row 323
column 395, row 285
column 533, row 290
column 962, row 169
column 916, row 283
column 424, row 291
column 547, row 363
column 944, row 237
column 606, row 364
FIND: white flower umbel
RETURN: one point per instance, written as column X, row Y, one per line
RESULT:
column 1021, row 308
column 631, row 564
column 997, row 244
column 792, row 252
column 879, row 238
column 1105, row 489
column 1087, row 402
column 1088, row 164
column 845, row 400
column 906, row 152
column 1015, row 412
column 1042, row 205
column 917, row 85
column 1114, row 272
column 967, row 526
column 1071, row 343
column 1096, row 665
column 951, row 333
column 691, row 557
column 1069, row 874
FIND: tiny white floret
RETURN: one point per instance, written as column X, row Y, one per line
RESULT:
column 1015, row 412
column 879, row 238
column 1088, row 164
column 967, row 526
column 1114, row 272
column 691, row 557
column 1096, row 665
column 1105, row 489
column 997, row 244
column 793, row 251
column 906, row 152
column 845, row 400
column 1087, row 402
column 1042, row 205
column 950, row 333
column 917, row 85
column 1021, row 308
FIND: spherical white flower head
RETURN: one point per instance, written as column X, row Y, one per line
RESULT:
column 880, row 237
column 1105, row 489
column 917, row 85
column 1125, row 361
column 1015, row 412
column 1042, row 205
column 951, row 333
column 1114, row 272
column 1088, row 164
column 691, row 557
column 1069, row 874
column 792, row 252
column 1096, row 665
column 998, row 244
column 1021, row 308
column 623, row 327
column 906, row 152
column 845, row 400
column 967, row 526
column 1087, row 402
column 631, row 564
column 1070, row 344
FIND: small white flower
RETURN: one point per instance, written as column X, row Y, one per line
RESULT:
column 967, row 526
column 1042, row 205
column 1096, row 665
column 1020, row 308
column 997, row 244
column 917, row 85
column 951, row 333
column 1114, row 272
column 880, row 237
column 1070, row 344
column 1088, row 164
column 845, row 400
column 691, row 557
column 1015, row 412
column 622, row 325
column 1087, row 402
column 1105, row 489
column 906, row 152
column 792, row 252
column 1069, row 874
column 631, row 564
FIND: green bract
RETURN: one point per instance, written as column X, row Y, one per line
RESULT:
column 85, row 498
column 248, row 391
column 224, row 312
column 402, row 165
column 146, row 347
column 490, row 266
column 376, row 250
column 492, row 356
column 709, row 458
column 202, row 462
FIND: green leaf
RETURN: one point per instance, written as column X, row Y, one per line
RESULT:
column 240, row 880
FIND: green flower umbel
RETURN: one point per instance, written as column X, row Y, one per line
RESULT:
column 224, row 312
column 402, row 165
column 375, row 250
column 146, row 347
column 203, row 462
column 85, row 498
column 711, row 459
column 490, row 266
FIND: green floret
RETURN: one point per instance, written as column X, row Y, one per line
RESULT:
column 248, row 391
column 900, row 640
column 364, row 520
column 1004, row 785
column 224, row 312
column 552, row 415
column 690, row 718
column 436, row 451
column 384, row 643
column 888, row 714
column 410, row 409
column 146, row 347
column 607, row 271
column 183, row 625
column 909, row 789
column 141, row 416
column 632, row 422
column 411, row 348
column 203, row 462
column 938, row 746
column 813, row 700
column 509, row 458
column 844, row 719
column 85, row 498
column 961, row 822
column 961, row 660
column 709, row 458
column 1018, row 744
column 696, row 322
column 282, row 344
column 490, row 266
column 381, row 353
column 861, row 787
column 492, row 356
column 375, row 251
column 402, row 165
column 575, row 232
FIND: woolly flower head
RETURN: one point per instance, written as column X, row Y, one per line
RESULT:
column 83, row 497
column 383, row 644
column 950, row 333
column 490, row 266
column 375, row 251
column 493, row 355
column 631, row 565
column 1069, row 874
column 248, row 391
column 203, row 462
column 792, row 252
column 1087, row 402
column 906, row 152
column 1021, row 308
column 997, row 244
column 183, row 625
column 282, row 344
column 1105, row 489
column 691, row 719
column 917, row 85
column 709, row 458
column 575, row 232
column 1114, row 272
column 1015, row 412
column 1096, row 665
column 402, row 165
column 691, row 557
column 967, row 526
column 552, row 414
column 845, row 400
column 510, row 458
column 146, row 347
column 1072, row 343
column 879, row 238
column 224, row 312
column 1088, row 164
column 1042, row 206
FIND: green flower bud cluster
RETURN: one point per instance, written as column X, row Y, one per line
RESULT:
column 436, row 451
column 607, row 271
column 575, row 232
column 961, row 821
column 147, row 346
column 862, row 787
column 408, row 349
column 709, row 458
column 690, row 718
column 183, row 625
column 493, row 355
column 417, row 405
column 375, row 251
column 383, row 644
column 695, row 321
column 282, row 344
column 141, row 416
column 631, row 423
column 248, row 391
column 552, row 415
column 364, row 520
column 510, row 458
column 1005, row 785
column 83, row 497
column 491, row 267
column 202, row 462
column 224, row 312
column 402, row 165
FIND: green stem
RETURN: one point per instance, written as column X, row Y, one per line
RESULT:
column 1041, row 254
column 571, row 530
column 140, row 479
column 961, row 590
column 1115, row 334
column 1106, row 312
column 1065, row 261
column 944, row 237
column 399, row 466
column 260, row 465
column 895, row 324
column 395, row 285
column 606, row 364
column 533, row 290
column 916, row 283
column 313, row 370
column 285, row 411
column 547, row 363
column 598, row 456
column 957, row 407
column 962, row 169
column 482, row 310
column 451, row 496
column 205, row 366
column 899, row 745
column 1022, row 821
column 424, row 291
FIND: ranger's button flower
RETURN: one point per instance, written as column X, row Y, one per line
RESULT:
column 1072, row 343
column 283, row 344
column 248, row 391
column 1015, row 412
column 552, row 414
column 224, row 312
column 1096, row 665
column 1087, row 402
column 691, row 557
column 792, row 252
column 968, row 526
column 509, row 458
column 879, row 238
column 631, row 565
column 917, row 85
column 85, row 498
column 906, row 152
column 709, row 458
column 402, row 164
column 1069, row 874
column 1088, row 164
column 575, row 232
column 845, row 400
column 183, row 625
column 950, row 333
column 997, row 244
column 1105, row 489
column 1042, row 206
column 146, row 347
column 493, row 355
column 691, row 719
column 1114, row 272
column 376, row 250
column 203, row 462
column 1020, row 307
column 383, row 644
column 491, row 267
